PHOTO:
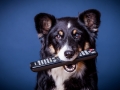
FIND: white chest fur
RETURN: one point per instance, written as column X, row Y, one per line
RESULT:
column 60, row 75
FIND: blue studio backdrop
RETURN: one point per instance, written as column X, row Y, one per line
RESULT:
column 19, row 44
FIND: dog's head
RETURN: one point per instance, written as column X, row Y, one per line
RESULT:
column 66, row 37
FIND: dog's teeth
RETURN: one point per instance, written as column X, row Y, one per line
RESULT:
column 73, row 66
column 70, row 69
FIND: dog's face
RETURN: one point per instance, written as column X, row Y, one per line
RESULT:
column 66, row 37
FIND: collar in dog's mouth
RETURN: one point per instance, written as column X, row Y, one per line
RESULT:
column 70, row 67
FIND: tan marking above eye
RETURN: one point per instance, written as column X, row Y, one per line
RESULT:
column 61, row 32
column 74, row 31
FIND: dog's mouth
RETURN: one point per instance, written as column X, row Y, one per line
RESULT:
column 70, row 67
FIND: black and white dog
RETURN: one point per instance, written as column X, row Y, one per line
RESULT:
column 66, row 37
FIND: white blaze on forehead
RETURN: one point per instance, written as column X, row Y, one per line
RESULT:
column 69, row 25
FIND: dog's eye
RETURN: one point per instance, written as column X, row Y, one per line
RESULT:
column 77, row 36
column 58, row 37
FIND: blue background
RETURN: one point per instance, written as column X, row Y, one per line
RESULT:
column 19, row 44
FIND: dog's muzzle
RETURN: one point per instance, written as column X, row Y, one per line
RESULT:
column 69, row 53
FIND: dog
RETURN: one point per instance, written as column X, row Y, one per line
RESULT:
column 65, row 37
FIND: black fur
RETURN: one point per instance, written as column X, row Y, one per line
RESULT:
column 86, row 25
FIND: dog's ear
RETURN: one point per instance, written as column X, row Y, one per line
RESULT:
column 91, row 19
column 43, row 23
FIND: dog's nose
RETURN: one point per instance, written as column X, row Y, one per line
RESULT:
column 69, row 53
